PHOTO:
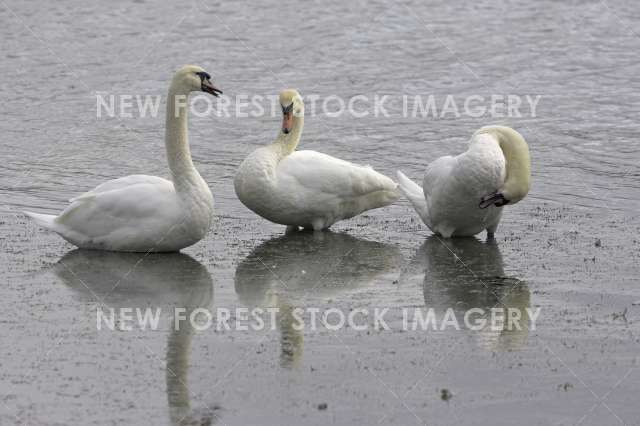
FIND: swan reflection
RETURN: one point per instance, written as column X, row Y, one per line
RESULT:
column 282, row 272
column 466, row 273
column 165, row 281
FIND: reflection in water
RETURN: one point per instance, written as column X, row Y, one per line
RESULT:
column 291, row 340
column 281, row 271
column 165, row 281
column 475, row 279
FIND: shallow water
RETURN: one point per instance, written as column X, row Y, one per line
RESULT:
column 570, row 248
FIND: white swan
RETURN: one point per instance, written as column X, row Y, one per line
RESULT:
column 142, row 213
column 306, row 188
column 463, row 195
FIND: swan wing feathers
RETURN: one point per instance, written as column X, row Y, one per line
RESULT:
column 437, row 174
column 122, row 203
column 322, row 173
column 119, row 183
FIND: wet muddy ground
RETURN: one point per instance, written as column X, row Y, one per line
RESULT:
column 58, row 369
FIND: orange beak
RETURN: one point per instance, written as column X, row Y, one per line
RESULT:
column 287, row 122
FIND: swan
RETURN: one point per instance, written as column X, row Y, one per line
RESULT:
column 306, row 188
column 140, row 213
column 464, row 195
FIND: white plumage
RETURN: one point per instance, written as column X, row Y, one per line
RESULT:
column 307, row 188
column 464, row 195
column 142, row 213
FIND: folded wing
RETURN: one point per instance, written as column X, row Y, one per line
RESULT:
column 324, row 174
column 128, row 203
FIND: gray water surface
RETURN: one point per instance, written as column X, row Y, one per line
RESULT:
column 570, row 248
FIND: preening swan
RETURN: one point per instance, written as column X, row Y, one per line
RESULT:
column 464, row 195
column 140, row 213
column 306, row 188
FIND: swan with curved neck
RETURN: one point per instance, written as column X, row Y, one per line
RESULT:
column 464, row 195
column 306, row 188
column 141, row 213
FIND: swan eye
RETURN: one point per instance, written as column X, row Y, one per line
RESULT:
column 286, row 110
column 204, row 75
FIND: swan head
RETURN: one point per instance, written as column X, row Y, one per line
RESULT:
column 192, row 78
column 518, row 167
column 292, row 106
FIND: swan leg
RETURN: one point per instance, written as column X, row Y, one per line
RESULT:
column 491, row 231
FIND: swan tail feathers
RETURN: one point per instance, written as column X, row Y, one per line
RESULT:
column 410, row 189
column 47, row 221
column 390, row 196
column 414, row 194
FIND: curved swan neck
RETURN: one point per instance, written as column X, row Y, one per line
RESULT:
column 287, row 143
column 518, row 163
column 177, row 137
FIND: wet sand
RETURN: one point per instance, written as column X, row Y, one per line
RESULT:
column 60, row 370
